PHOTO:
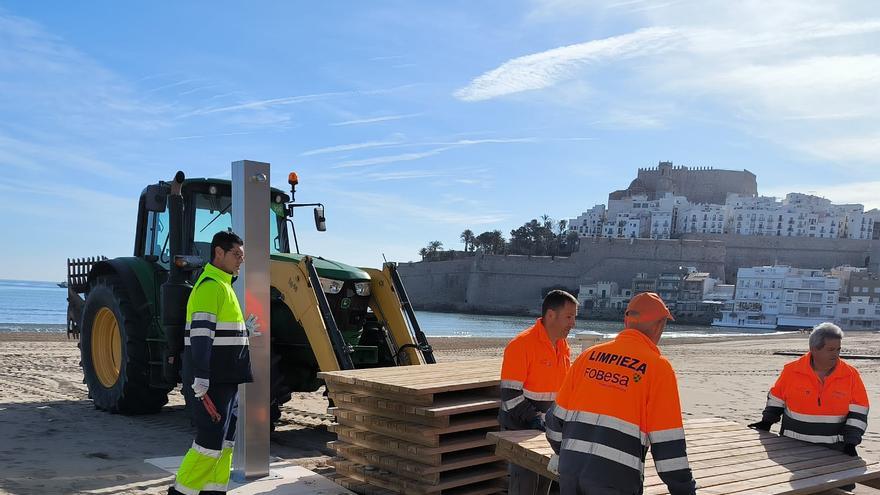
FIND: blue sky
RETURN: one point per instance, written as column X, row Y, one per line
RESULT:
column 411, row 120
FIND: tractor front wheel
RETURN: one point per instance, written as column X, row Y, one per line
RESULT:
column 114, row 352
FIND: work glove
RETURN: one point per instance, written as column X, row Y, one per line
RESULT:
column 252, row 326
column 200, row 387
column 850, row 450
column 537, row 423
column 553, row 465
column 761, row 425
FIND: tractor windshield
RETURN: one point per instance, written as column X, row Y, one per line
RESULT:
column 213, row 213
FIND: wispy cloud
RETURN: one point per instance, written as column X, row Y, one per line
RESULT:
column 375, row 205
column 264, row 104
column 544, row 69
column 382, row 160
column 351, row 147
column 373, row 120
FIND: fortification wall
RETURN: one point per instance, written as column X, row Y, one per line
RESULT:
column 801, row 252
column 516, row 284
column 700, row 185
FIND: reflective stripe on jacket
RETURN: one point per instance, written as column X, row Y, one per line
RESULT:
column 215, row 338
column 619, row 398
column 531, row 374
column 831, row 412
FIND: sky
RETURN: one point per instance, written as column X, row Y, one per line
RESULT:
column 412, row 121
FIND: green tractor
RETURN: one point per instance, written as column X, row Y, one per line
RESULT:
column 129, row 312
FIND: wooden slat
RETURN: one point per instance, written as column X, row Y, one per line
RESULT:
column 435, row 414
column 408, row 450
column 478, row 479
column 412, row 432
column 420, row 380
column 415, row 470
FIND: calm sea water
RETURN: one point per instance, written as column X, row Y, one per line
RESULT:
column 42, row 306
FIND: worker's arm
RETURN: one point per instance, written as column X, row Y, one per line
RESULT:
column 666, row 433
column 857, row 418
column 514, row 371
column 775, row 400
column 206, row 301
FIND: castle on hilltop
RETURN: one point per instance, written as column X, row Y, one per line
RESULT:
column 701, row 185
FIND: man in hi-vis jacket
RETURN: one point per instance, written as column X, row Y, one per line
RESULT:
column 619, row 399
column 535, row 363
column 216, row 360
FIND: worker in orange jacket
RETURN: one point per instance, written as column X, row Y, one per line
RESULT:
column 619, row 398
column 535, row 363
column 820, row 398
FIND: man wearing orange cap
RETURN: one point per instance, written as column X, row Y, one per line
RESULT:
column 619, row 398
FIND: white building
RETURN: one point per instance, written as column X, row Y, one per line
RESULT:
column 589, row 223
column 757, row 299
column 702, row 219
column 810, row 298
column 858, row 313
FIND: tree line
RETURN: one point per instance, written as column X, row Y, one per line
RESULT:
column 544, row 237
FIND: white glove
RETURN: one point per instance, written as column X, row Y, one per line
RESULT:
column 252, row 326
column 200, row 387
column 553, row 465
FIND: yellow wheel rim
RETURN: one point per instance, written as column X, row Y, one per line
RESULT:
column 106, row 347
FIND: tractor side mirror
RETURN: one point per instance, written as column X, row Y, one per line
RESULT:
column 320, row 220
column 156, row 198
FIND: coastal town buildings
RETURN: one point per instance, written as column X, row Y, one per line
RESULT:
column 668, row 202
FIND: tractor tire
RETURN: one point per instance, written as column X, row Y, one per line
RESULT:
column 279, row 391
column 114, row 353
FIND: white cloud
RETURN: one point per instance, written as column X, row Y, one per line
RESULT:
column 374, row 120
column 544, row 69
column 378, row 205
column 381, row 160
column 350, row 147
column 265, row 104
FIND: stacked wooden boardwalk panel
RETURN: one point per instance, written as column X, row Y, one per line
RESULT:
column 417, row 429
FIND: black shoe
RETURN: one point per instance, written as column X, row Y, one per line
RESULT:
column 173, row 491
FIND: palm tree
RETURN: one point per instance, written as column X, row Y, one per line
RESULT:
column 467, row 237
column 423, row 253
column 435, row 246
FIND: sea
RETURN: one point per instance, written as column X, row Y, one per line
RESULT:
column 42, row 307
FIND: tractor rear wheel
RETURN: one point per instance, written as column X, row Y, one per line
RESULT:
column 114, row 352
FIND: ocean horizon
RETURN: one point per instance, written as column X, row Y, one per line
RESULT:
column 41, row 306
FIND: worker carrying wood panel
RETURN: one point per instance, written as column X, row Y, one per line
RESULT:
column 619, row 398
column 535, row 364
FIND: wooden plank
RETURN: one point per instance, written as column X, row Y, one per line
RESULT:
column 414, row 470
column 433, row 414
column 843, row 356
column 468, row 479
column 413, row 432
column 409, row 450
column 420, row 380
column 359, row 487
column 423, row 400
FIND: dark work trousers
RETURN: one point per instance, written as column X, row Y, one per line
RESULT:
column 208, row 433
column 523, row 481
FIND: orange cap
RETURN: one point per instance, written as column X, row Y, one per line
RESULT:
column 648, row 306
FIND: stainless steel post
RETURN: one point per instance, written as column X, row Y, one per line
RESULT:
column 250, row 220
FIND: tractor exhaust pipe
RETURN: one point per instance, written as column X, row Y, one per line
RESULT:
column 176, row 290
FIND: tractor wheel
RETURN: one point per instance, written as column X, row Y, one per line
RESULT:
column 114, row 353
column 280, row 392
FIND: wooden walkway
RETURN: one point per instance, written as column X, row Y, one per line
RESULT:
column 726, row 458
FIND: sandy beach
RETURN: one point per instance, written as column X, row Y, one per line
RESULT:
column 54, row 441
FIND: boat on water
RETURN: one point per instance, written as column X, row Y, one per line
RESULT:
column 63, row 285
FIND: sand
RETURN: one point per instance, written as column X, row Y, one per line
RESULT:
column 53, row 440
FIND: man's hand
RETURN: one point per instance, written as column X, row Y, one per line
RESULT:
column 252, row 326
column 850, row 450
column 553, row 465
column 761, row 425
column 537, row 423
column 200, row 387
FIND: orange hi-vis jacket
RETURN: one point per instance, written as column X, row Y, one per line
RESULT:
column 619, row 398
column 831, row 412
column 531, row 374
